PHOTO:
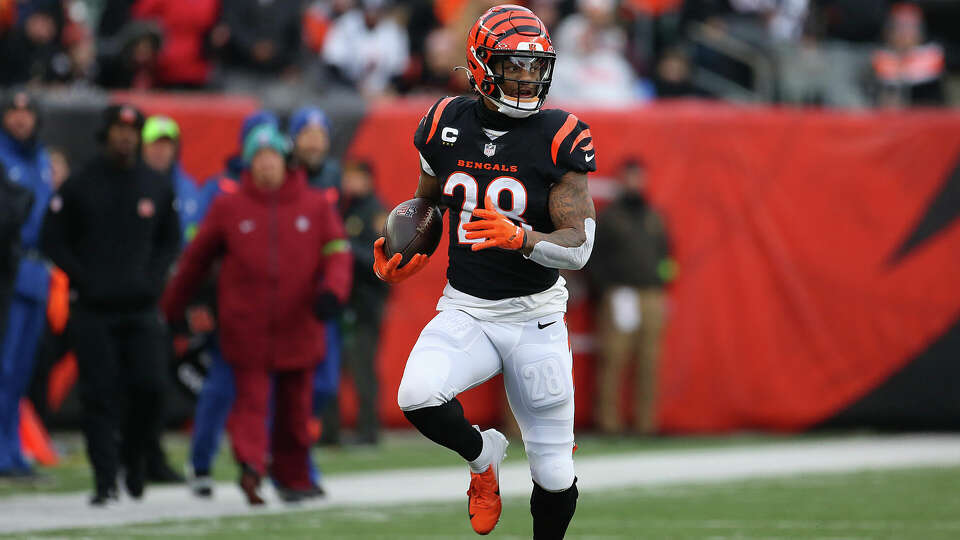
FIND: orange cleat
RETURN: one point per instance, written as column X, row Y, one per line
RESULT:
column 484, row 505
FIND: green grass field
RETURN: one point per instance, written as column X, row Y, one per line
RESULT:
column 920, row 504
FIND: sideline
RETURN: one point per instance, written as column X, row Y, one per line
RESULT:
column 601, row 473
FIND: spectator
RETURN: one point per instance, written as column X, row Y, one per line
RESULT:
column 186, row 25
column 653, row 26
column 262, row 37
column 114, row 17
column 131, row 62
column 318, row 17
column 594, row 50
column 594, row 20
column 27, row 164
column 270, row 314
column 907, row 71
column 234, row 166
column 673, row 77
column 367, row 48
column 363, row 218
column 631, row 309
column 217, row 393
column 29, row 51
column 161, row 152
column 113, row 230
column 53, row 345
column 310, row 131
column 440, row 57
column 15, row 204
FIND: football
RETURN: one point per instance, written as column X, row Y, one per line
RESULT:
column 412, row 227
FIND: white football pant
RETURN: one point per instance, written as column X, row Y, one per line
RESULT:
column 456, row 352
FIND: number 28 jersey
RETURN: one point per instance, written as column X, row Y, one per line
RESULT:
column 516, row 169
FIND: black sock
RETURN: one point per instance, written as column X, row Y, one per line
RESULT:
column 552, row 512
column 446, row 426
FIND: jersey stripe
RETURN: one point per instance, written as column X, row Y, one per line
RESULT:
column 565, row 130
column 585, row 134
column 436, row 117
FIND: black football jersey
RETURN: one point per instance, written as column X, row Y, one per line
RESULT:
column 516, row 170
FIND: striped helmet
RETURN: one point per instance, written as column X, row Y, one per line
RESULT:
column 510, row 59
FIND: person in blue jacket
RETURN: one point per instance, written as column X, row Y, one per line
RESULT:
column 27, row 163
column 161, row 152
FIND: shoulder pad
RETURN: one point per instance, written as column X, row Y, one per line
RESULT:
column 430, row 121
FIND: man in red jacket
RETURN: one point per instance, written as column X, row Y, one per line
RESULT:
column 286, row 266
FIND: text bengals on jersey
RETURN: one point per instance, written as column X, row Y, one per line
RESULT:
column 487, row 166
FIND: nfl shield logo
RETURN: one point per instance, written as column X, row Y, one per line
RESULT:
column 489, row 149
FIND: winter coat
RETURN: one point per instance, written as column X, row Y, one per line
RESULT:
column 280, row 250
column 115, row 233
column 28, row 165
column 631, row 242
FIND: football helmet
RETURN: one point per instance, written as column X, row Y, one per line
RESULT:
column 510, row 59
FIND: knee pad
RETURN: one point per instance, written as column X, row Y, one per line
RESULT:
column 422, row 384
column 412, row 397
column 551, row 465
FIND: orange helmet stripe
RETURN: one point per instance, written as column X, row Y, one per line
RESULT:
column 436, row 116
column 565, row 130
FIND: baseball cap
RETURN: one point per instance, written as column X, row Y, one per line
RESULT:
column 265, row 136
column 159, row 127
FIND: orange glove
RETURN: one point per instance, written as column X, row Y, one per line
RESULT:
column 494, row 228
column 388, row 270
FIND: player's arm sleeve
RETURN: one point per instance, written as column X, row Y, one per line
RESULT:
column 337, row 275
column 192, row 267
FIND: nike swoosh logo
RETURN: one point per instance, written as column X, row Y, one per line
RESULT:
column 589, row 158
column 542, row 326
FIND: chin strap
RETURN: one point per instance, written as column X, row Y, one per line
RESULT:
column 506, row 110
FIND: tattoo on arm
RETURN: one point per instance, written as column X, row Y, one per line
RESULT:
column 429, row 187
column 569, row 204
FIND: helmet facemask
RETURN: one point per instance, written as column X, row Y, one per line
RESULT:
column 516, row 82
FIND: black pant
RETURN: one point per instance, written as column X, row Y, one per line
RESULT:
column 359, row 356
column 120, row 358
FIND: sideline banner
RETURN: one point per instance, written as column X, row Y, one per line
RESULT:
column 816, row 257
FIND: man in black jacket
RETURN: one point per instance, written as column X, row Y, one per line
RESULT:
column 113, row 229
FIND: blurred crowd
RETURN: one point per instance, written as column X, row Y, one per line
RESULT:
column 849, row 53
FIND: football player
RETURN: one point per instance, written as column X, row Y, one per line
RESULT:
column 514, row 180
